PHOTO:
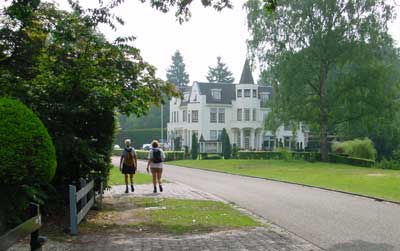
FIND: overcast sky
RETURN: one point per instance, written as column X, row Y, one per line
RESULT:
column 205, row 36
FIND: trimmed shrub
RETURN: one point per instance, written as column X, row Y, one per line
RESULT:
column 226, row 145
column 351, row 160
column 27, row 153
column 357, row 148
column 195, row 147
column 286, row 155
column 27, row 158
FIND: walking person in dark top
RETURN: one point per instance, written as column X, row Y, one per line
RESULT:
column 128, row 164
column 156, row 158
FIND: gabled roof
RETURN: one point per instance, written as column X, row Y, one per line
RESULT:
column 227, row 92
column 247, row 77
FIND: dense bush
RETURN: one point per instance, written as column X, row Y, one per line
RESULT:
column 388, row 164
column 138, row 136
column 308, row 156
column 27, row 152
column 357, row 148
column 27, row 157
column 286, row 155
column 334, row 158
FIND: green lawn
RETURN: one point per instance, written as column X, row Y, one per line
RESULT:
column 117, row 178
column 366, row 181
column 171, row 216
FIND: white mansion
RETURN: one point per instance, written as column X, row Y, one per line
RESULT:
column 207, row 108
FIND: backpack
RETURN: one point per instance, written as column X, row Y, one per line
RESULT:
column 157, row 156
column 129, row 158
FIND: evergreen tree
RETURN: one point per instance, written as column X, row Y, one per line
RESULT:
column 226, row 145
column 219, row 73
column 195, row 146
column 176, row 72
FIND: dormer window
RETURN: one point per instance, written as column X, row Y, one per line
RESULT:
column 239, row 93
column 216, row 93
column 264, row 96
column 186, row 96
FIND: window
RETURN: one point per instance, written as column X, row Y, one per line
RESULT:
column 254, row 93
column 239, row 114
column 264, row 96
column 247, row 93
column 215, row 134
column 195, row 116
column 247, row 114
column 216, row 93
column 188, row 117
column 177, row 116
column 221, row 115
column 239, row 93
column 184, row 116
column 254, row 115
column 213, row 115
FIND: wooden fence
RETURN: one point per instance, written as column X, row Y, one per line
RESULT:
column 30, row 226
column 83, row 195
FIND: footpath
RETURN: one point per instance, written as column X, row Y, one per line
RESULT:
column 269, row 237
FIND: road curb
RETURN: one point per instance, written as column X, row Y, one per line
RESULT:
column 299, row 184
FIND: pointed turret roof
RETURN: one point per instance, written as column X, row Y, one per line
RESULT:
column 247, row 77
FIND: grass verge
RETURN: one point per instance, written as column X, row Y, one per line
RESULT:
column 117, row 178
column 167, row 216
column 374, row 182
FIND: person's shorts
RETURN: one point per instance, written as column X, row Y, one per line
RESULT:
column 156, row 170
column 128, row 169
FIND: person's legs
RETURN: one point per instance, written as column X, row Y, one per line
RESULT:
column 154, row 174
column 159, row 174
column 126, row 183
column 131, row 178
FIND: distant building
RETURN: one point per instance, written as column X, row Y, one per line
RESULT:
column 207, row 108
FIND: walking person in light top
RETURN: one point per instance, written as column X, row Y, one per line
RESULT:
column 156, row 158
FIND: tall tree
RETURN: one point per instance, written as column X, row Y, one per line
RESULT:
column 226, row 145
column 195, row 147
column 328, row 68
column 176, row 73
column 219, row 73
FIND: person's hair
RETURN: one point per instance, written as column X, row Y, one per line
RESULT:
column 128, row 142
column 155, row 144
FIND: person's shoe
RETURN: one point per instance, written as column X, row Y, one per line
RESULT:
column 132, row 188
column 161, row 189
column 155, row 190
column 126, row 190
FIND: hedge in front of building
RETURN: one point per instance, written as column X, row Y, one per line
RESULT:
column 169, row 155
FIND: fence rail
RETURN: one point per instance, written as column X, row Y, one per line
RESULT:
column 31, row 226
column 87, row 190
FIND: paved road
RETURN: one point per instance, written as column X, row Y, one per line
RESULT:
column 331, row 220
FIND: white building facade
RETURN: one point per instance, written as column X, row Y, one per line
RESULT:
column 207, row 108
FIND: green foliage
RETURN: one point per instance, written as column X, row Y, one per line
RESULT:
column 219, row 73
column 235, row 150
column 357, row 148
column 195, row 147
column 388, row 164
column 338, row 70
column 176, row 73
column 351, row 160
column 138, row 136
column 27, row 159
column 226, row 145
column 27, row 154
column 75, row 79
column 150, row 119
column 285, row 153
